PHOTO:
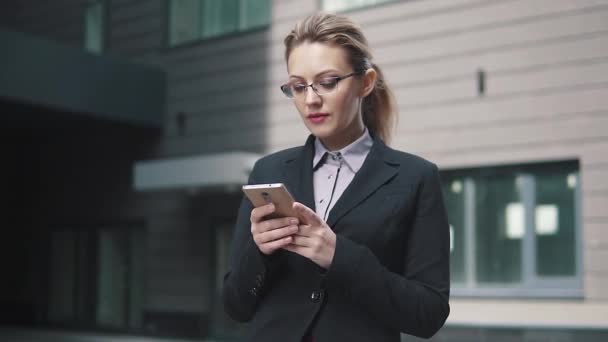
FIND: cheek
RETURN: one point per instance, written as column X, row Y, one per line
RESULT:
column 301, row 108
column 348, row 107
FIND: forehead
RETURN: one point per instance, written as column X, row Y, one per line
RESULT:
column 309, row 59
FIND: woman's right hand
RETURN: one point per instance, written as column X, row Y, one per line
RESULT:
column 271, row 234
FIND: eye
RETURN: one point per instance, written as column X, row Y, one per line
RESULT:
column 299, row 87
column 328, row 83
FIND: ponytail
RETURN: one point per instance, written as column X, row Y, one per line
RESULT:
column 379, row 109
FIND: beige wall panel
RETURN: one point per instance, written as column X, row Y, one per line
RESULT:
column 595, row 236
column 194, row 84
column 594, row 207
column 200, row 67
column 529, row 313
column 513, row 135
column 595, row 260
column 595, row 288
column 218, row 48
column 406, row 9
column 483, row 112
column 478, row 18
column 253, row 118
column 289, row 11
column 595, row 180
column 476, row 42
column 567, row 76
column 595, row 153
column 500, row 61
column 501, row 156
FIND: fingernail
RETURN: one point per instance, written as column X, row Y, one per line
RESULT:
column 293, row 221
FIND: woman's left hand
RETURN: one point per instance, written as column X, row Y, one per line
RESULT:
column 314, row 239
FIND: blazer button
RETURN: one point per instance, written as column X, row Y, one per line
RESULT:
column 315, row 296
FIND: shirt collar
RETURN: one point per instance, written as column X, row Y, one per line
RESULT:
column 353, row 155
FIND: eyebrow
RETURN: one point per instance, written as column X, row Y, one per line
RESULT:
column 318, row 74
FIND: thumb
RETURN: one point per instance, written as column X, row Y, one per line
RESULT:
column 308, row 214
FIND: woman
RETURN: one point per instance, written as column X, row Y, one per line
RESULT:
column 368, row 255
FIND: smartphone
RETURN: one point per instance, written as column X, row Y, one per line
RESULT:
column 277, row 193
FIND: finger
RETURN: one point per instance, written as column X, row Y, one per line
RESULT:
column 271, row 224
column 258, row 213
column 308, row 214
column 275, row 234
column 299, row 240
column 272, row 246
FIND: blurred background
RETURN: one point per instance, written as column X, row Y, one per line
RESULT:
column 128, row 127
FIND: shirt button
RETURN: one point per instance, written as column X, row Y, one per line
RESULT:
column 315, row 296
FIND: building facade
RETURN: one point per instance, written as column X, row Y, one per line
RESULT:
column 508, row 97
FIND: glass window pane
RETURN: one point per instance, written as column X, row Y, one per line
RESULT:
column 555, row 222
column 254, row 13
column 453, row 189
column 93, row 37
column 184, row 21
column 219, row 17
column 499, row 229
column 62, row 277
column 112, row 278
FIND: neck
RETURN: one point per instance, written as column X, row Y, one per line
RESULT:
column 337, row 143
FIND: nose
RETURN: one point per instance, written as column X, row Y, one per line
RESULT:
column 312, row 98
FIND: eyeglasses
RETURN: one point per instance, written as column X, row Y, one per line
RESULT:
column 324, row 86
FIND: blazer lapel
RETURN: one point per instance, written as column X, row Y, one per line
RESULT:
column 298, row 174
column 375, row 171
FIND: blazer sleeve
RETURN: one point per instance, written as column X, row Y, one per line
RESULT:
column 416, row 301
column 250, row 271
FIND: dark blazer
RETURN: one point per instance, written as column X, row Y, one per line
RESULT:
column 390, row 271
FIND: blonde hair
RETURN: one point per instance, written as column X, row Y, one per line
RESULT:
column 378, row 108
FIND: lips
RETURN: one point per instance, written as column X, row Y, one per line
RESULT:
column 317, row 117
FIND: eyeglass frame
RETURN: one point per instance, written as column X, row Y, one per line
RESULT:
column 337, row 78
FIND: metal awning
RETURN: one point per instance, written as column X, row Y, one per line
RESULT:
column 211, row 170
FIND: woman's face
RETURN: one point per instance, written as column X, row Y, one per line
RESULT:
column 335, row 117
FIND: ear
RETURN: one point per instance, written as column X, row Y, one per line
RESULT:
column 369, row 81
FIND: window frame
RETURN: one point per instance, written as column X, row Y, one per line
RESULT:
column 532, row 284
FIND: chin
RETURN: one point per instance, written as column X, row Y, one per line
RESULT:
column 321, row 132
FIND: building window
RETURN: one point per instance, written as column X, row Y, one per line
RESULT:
column 96, row 278
column 94, row 26
column 515, row 230
column 200, row 19
column 345, row 5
